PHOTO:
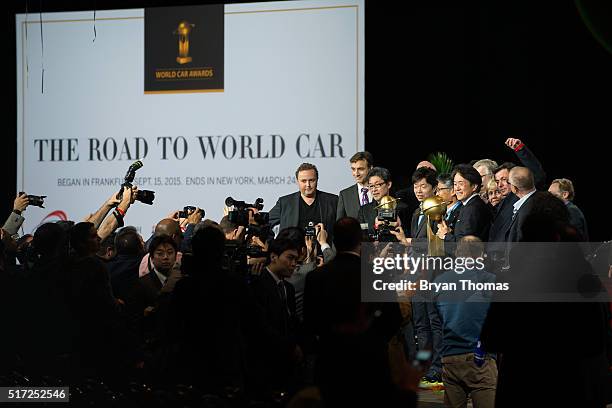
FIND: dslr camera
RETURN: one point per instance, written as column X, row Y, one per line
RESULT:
column 36, row 201
column 189, row 209
column 310, row 230
column 144, row 196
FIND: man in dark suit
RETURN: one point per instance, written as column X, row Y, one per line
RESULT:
column 564, row 190
column 276, row 298
column 163, row 271
column 379, row 182
column 424, row 184
column 306, row 205
column 503, row 215
column 474, row 217
column 123, row 268
column 352, row 337
column 359, row 194
column 446, row 191
column 522, row 184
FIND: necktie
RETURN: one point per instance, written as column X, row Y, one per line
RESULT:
column 514, row 213
column 364, row 196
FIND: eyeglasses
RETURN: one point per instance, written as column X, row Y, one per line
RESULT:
column 376, row 186
column 442, row 188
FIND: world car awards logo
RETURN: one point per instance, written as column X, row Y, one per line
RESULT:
column 183, row 30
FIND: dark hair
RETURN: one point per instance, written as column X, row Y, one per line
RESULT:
column 425, row 173
column 347, row 234
column 208, row 244
column 79, row 234
column 49, row 240
column 127, row 242
column 469, row 173
column 280, row 245
column 160, row 240
column 367, row 156
column 504, row 166
column 307, row 166
column 295, row 234
column 65, row 225
column 380, row 172
column 226, row 225
column 108, row 242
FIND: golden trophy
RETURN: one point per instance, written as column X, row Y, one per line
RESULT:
column 183, row 30
column 434, row 208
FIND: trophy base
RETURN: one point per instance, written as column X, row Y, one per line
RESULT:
column 183, row 60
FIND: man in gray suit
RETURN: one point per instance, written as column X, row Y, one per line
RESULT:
column 16, row 219
column 308, row 205
column 353, row 197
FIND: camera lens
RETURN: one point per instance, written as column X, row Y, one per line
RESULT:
column 145, row 196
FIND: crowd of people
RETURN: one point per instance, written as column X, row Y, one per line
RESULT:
column 244, row 314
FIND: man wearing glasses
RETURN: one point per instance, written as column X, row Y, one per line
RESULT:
column 446, row 191
column 379, row 183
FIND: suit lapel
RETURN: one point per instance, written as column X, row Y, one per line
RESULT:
column 353, row 199
column 295, row 213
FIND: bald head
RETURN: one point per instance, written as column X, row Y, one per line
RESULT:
column 521, row 179
column 427, row 164
column 170, row 228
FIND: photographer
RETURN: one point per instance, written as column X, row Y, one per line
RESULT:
column 16, row 219
column 309, row 260
column 379, row 182
column 187, row 220
column 110, row 224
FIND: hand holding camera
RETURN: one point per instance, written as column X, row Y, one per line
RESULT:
column 144, row 196
column 321, row 233
column 21, row 202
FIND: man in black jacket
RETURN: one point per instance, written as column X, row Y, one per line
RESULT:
column 306, row 205
column 352, row 368
column 424, row 183
column 503, row 215
column 379, row 182
column 276, row 298
column 474, row 216
column 123, row 269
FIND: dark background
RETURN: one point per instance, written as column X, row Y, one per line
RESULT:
column 206, row 45
column 458, row 78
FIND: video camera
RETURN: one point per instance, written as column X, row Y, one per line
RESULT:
column 144, row 196
column 256, row 225
column 240, row 214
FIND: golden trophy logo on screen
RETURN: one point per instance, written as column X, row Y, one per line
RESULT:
column 183, row 30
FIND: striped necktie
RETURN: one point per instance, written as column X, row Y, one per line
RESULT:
column 364, row 196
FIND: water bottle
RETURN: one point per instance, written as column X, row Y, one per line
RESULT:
column 479, row 354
